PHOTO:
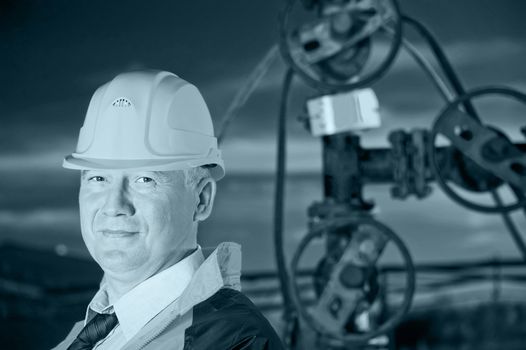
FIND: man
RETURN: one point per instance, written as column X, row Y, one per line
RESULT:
column 149, row 164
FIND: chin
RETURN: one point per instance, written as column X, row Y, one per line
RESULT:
column 118, row 261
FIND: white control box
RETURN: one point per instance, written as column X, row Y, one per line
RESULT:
column 349, row 111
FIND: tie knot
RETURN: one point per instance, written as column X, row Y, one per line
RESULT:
column 95, row 330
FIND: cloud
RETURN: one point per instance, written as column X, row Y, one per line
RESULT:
column 50, row 159
column 258, row 155
column 43, row 218
column 482, row 239
column 467, row 53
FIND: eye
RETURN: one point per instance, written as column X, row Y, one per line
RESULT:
column 144, row 179
column 96, row 179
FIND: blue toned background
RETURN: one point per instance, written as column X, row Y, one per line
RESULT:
column 56, row 53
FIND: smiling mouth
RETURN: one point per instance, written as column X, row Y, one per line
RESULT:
column 117, row 233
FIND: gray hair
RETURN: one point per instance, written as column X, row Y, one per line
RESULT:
column 193, row 176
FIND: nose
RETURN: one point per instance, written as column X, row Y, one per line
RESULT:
column 118, row 202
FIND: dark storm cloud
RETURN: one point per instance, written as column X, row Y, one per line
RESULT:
column 60, row 42
column 60, row 51
column 54, row 48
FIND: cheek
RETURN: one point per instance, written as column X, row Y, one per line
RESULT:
column 167, row 221
column 151, row 214
column 160, row 219
column 86, row 212
column 88, row 207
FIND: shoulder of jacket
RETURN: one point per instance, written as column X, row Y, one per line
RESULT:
column 229, row 303
column 225, row 319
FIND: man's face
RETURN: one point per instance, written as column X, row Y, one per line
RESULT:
column 135, row 223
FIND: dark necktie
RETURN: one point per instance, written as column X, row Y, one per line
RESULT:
column 96, row 329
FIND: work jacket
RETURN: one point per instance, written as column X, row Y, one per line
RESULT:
column 211, row 313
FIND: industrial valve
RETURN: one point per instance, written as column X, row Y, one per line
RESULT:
column 334, row 52
column 342, row 311
column 486, row 146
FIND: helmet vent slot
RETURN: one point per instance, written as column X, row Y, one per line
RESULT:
column 121, row 102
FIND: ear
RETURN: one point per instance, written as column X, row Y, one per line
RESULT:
column 206, row 193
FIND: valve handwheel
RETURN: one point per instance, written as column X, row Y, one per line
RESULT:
column 340, row 333
column 331, row 53
column 487, row 147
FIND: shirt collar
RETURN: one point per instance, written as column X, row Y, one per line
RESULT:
column 137, row 307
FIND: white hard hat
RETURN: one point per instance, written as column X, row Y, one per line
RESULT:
column 147, row 120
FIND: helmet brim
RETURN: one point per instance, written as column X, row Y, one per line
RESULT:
column 215, row 166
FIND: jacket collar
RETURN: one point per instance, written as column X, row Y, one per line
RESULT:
column 222, row 269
